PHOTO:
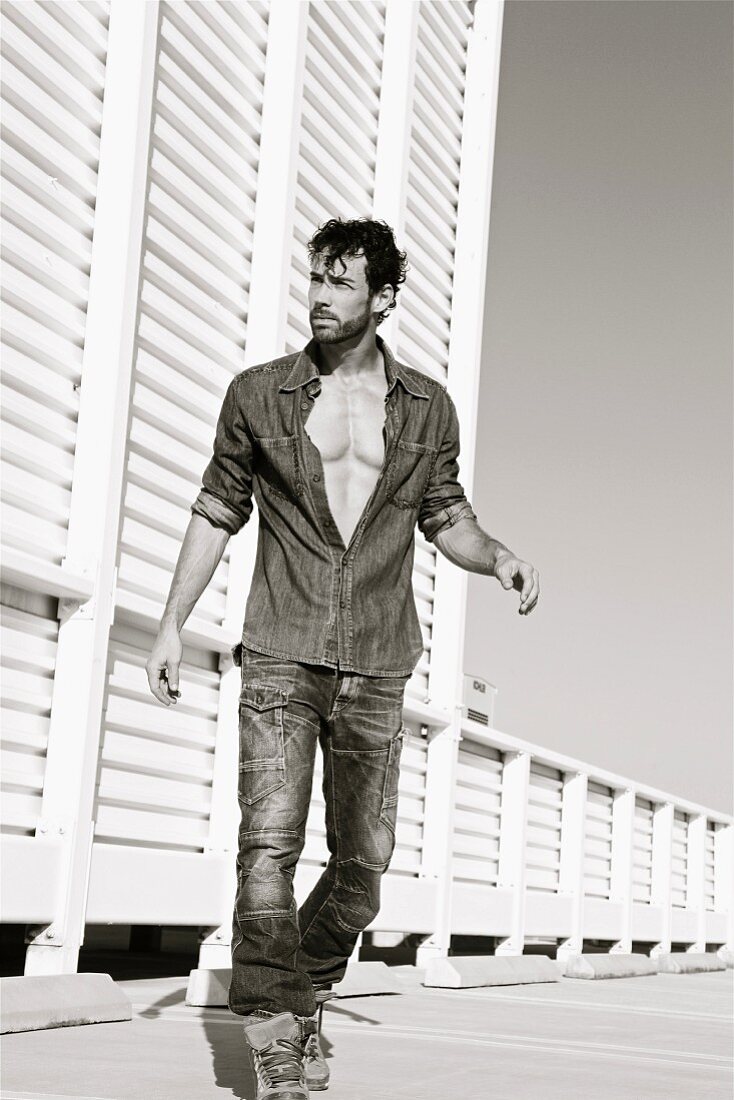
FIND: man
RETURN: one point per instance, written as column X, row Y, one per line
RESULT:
column 344, row 450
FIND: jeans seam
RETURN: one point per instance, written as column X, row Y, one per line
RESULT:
column 332, row 887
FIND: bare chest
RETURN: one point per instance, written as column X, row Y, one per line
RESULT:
column 346, row 425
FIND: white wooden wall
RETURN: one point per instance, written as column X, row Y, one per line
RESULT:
column 164, row 164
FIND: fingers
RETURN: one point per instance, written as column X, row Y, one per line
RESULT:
column 530, row 591
column 163, row 681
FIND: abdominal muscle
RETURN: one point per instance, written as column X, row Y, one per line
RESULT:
column 346, row 426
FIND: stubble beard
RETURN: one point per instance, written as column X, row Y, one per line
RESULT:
column 337, row 331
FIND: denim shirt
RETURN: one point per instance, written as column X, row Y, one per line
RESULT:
column 313, row 599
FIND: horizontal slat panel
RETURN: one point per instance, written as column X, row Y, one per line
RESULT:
column 28, row 640
column 53, row 80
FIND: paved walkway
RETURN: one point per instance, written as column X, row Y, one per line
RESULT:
column 662, row 1037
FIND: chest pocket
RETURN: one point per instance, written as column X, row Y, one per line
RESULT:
column 279, row 468
column 409, row 472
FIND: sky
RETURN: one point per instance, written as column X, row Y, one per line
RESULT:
column 604, row 430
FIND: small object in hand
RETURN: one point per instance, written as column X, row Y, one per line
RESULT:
column 163, row 675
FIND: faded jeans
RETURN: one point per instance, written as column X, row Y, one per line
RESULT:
column 281, row 954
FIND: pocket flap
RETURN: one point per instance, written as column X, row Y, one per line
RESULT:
column 263, row 696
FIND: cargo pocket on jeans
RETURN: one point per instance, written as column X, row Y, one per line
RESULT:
column 262, row 753
column 389, row 808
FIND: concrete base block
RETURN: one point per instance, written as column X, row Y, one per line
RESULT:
column 680, row 962
column 37, row 1001
column 609, row 966
column 210, row 988
column 364, row 979
column 468, row 971
column 727, row 956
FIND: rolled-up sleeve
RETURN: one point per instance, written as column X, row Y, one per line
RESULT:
column 225, row 498
column 444, row 501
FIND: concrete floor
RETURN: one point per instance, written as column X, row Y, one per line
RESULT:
column 662, row 1037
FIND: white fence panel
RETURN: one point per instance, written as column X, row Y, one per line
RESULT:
column 53, row 84
column 598, row 840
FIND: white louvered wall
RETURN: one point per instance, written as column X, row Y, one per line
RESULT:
column 195, row 281
column 191, row 337
column 337, row 149
column 163, row 807
column 543, row 843
column 53, row 82
column 429, row 235
column 680, row 859
column 156, row 766
column 642, row 850
column 433, row 185
column 709, row 872
column 28, row 635
column 477, row 811
column 598, row 840
column 53, row 63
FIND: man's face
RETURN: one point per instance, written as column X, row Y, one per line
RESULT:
column 339, row 300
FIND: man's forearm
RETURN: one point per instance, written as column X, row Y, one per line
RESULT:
column 200, row 554
column 468, row 546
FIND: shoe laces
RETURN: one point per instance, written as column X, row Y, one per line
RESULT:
column 281, row 1061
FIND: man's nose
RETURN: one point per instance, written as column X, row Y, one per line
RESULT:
column 321, row 296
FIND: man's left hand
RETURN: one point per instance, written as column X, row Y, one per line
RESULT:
column 511, row 572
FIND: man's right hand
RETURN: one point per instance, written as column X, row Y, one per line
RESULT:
column 165, row 657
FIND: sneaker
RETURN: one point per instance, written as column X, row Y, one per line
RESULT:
column 315, row 1064
column 277, row 1048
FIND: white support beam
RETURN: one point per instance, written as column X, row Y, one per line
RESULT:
column 623, row 831
column 696, row 879
column 74, row 733
column 445, row 682
column 438, row 834
column 266, row 328
column 571, row 871
column 661, row 883
column 513, row 830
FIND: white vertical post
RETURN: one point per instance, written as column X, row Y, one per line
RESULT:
column 73, row 742
column 513, row 829
column 445, row 679
column 467, row 321
column 696, row 881
column 661, row 882
column 623, row 832
column 438, row 833
column 571, row 871
column 266, row 327
column 724, row 879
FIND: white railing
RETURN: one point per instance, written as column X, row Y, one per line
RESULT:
column 496, row 837
column 546, row 847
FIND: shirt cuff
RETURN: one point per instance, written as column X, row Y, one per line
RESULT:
column 219, row 514
column 447, row 517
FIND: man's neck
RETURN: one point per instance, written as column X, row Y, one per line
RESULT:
column 358, row 358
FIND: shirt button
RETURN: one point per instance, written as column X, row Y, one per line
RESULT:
column 317, row 477
column 304, row 404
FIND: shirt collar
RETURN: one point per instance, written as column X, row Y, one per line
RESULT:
column 305, row 370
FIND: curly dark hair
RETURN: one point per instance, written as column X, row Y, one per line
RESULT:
column 385, row 263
